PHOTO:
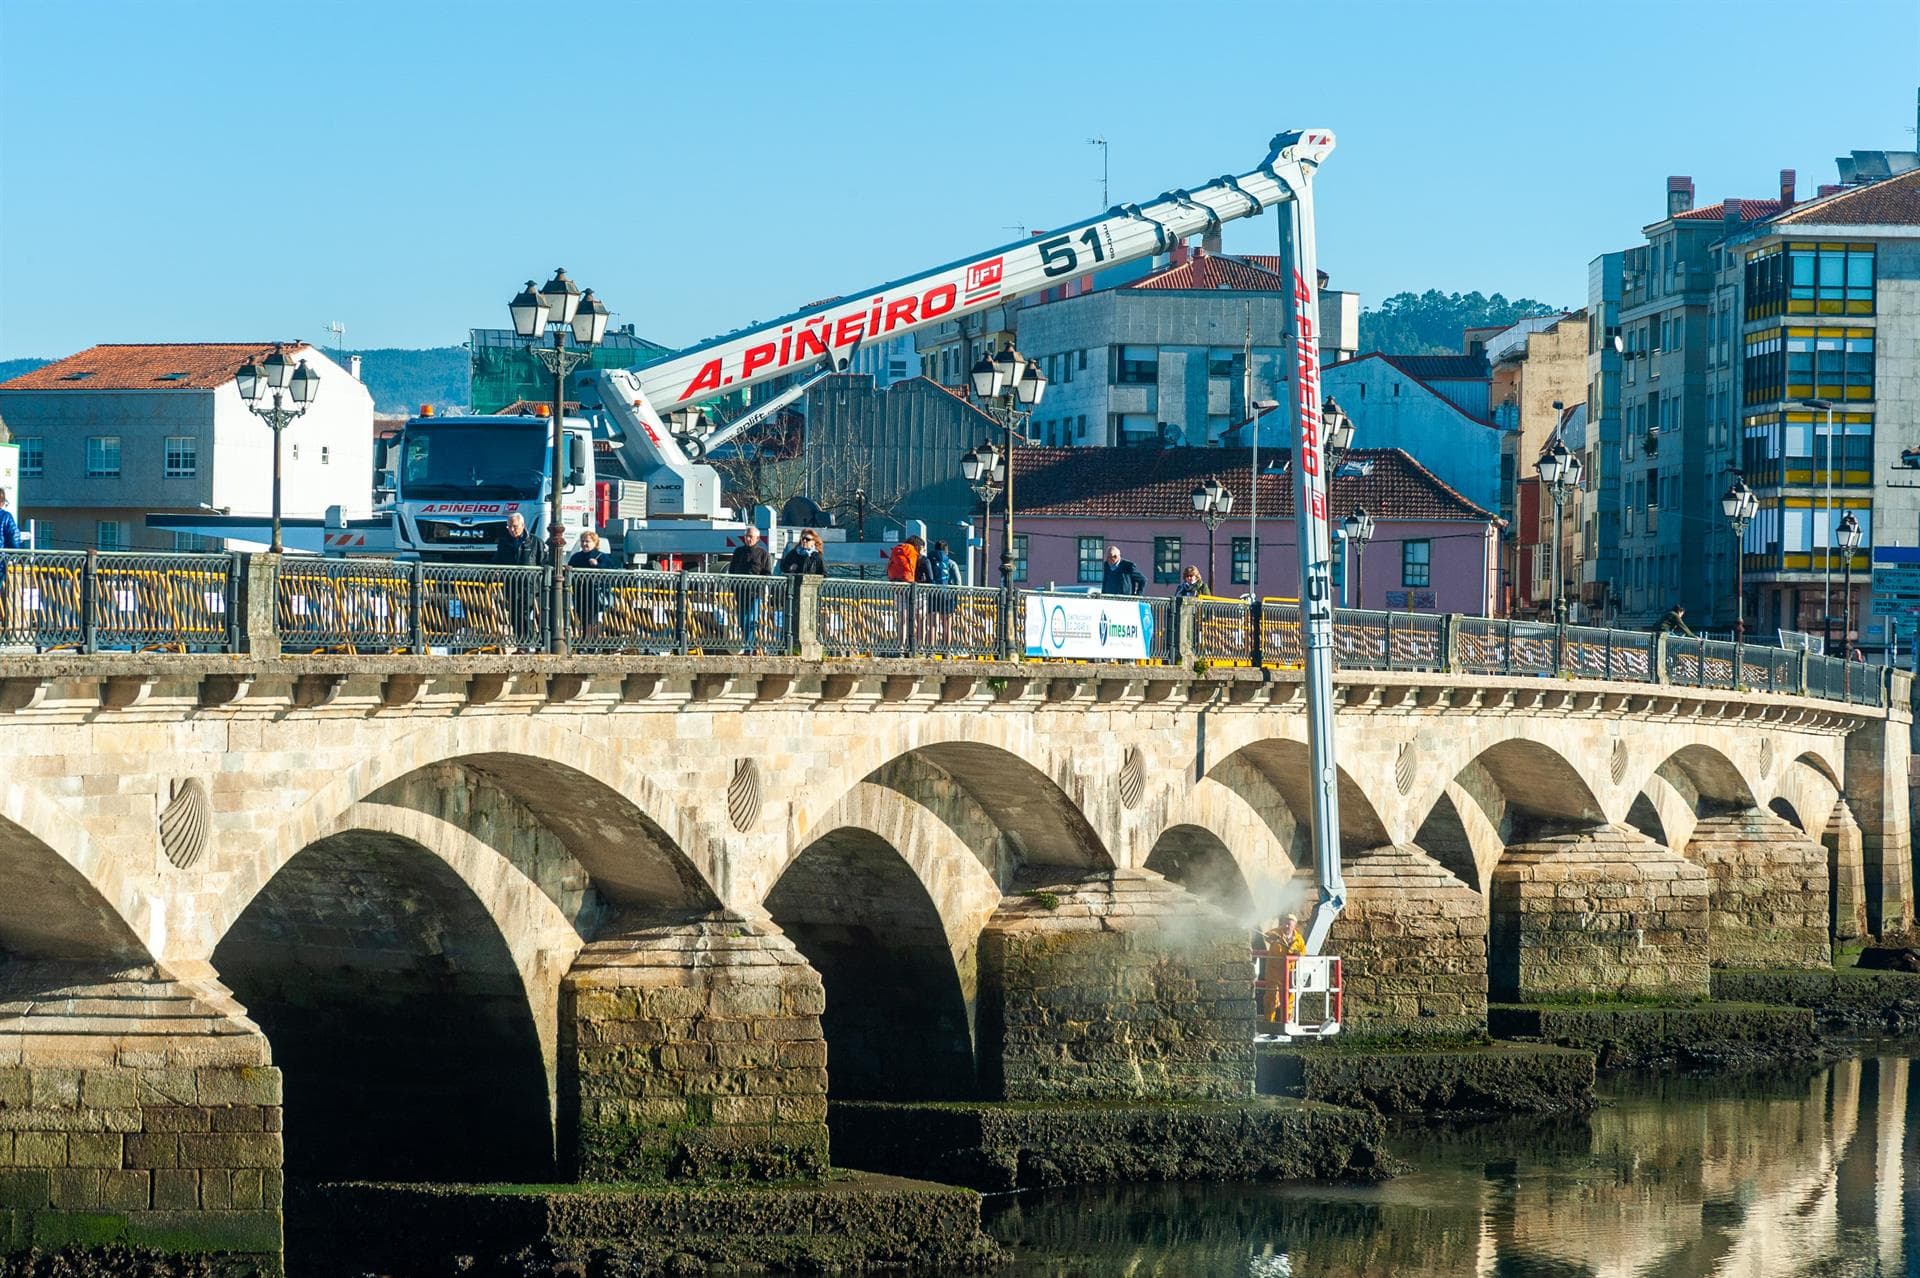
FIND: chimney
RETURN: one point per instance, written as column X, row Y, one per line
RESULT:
column 1679, row 195
column 353, row 367
column 1179, row 253
column 1210, row 242
column 1788, row 180
column 1829, row 188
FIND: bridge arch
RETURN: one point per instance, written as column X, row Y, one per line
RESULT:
column 60, row 901
column 887, row 904
column 1234, row 815
column 396, row 1005
column 1280, row 765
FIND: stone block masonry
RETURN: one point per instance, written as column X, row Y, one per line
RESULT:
column 691, row 1049
column 135, row 1111
column 1766, row 891
column 1117, row 987
column 1412, row 942
column 1602, row 911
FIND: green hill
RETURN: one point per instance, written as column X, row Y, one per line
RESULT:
column 1429, row 323
column 402, row 380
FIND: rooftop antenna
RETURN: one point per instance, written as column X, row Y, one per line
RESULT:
column 1101, row 142
column 339, row 332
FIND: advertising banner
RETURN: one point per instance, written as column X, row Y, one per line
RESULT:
column 1092, row 629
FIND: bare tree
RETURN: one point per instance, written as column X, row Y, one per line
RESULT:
column 775, row 463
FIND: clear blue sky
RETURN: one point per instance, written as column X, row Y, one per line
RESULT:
column 195, row 171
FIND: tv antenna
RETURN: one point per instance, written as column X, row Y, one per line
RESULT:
column 339, row 332
column 1101, row 142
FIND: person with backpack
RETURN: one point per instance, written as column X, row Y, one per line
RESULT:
column 903, row 568
column 938, row 568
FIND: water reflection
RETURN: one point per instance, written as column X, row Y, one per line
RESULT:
column 1808, row 1173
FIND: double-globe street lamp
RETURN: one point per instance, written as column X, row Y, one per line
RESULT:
column 1358, row 528
column 280, row 374
column 1739, row 505
column 1008, row 386
column 1847, row 533
column 985, row 468
column 1561, row 471
column 562, row 308
column 1213, row 503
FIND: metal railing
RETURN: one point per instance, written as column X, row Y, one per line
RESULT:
column 129, row 601
column 94, row 601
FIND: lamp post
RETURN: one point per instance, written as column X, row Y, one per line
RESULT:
column 1848, row 535
column 1739, row 505
column 985, row 468
column 1826, row 523
column 561, row 307
column 1008, row 386
column 1560, row 471
column 285, row 379
column 1338, row 430
column 1213, row 503
column 1359, row 530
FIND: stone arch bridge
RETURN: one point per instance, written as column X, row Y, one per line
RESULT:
column 647, row 915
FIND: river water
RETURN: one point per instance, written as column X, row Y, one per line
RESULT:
column 1809, row 1172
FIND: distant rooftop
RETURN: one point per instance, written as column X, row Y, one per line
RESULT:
column 149, row 366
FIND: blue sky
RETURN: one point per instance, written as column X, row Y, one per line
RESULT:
column 201, row 171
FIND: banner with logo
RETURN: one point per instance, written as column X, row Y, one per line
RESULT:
column 1091, row 629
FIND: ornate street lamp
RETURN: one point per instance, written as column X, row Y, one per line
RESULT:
column 1338, row 428
column 1213, row 503
column 985, row 468
column 1009, row 386
column 285, row 379
column 1359, row 530
column 1560, row 470
column 1848, row 535
column 1739, row 505
column 560, row 307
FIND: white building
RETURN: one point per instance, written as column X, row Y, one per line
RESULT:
column 118, row 432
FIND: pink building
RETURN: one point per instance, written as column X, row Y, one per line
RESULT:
column 1432, row 549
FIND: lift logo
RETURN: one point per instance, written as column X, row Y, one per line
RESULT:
column 983, row 280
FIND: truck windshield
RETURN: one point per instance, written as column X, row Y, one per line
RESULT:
column 456, row 462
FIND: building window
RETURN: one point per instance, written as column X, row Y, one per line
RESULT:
column 1416, row 563
column 103, row 456
column 1829, row 279
column 1166, row 559
column 109, row 534
column 1080, row 428
column 194, row 543
column 1019, row 556
column 33, row 455
column 1093, row 560
column 1137, row 366
column 324, row 454
column 42, row 534
column 183, row 456
column 1242, row 570
column 1224, row 363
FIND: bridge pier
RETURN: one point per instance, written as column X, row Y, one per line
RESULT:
column 1766, row 891
column 135, row 1110
column 1846, row 874
column 1114, row 987
column 1878, row 754
column 1603, row 910
column 1412, row 942
column 690, row 1048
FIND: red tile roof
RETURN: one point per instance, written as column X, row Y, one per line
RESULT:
column 1206, row 272
column 1148, row 483
column 1892, row 202
column 148, row 366
column 1745, row 210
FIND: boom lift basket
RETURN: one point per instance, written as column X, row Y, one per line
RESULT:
column 1305, row 1000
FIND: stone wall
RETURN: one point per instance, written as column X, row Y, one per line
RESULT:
column 1118, row 987
column 1412, row 942
column 137, row 1111
column 1766, row 891
column 692, row 1049
column 1603, row 911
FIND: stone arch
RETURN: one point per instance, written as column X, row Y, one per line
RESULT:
column 1644, row 816
column 1282, row 764
column 1806, row 795
column 52, row 907
column 1237, row 812
column 396, row 1010
column 887, row 905
column 1667, row 808
column 1459, row 834
column 1200, row 861
column 1538, row 786
column 1716, row 782
column 1040, row 823
column 637, row 845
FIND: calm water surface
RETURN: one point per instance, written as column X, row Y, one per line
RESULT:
column 1804, row 1173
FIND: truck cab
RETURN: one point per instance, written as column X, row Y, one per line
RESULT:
column 451, row 482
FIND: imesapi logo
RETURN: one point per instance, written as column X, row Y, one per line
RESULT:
column 1117, row 631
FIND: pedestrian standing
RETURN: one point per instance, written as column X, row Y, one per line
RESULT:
column 590, row 596
column 939, row 570
column 805, row 557
column 9, row 540
column 750, row 559
column 1191, row 586
column 1121, row 577
column 517, row 547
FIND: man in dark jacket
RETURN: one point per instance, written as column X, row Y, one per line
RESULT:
column 1674, row 623
column 749, row 559
column 1121, row 577
column 517, row 545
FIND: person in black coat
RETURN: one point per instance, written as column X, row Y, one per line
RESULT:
column 1121, row 577
column 517, row 545
column 750, row 559
column 805, row 558
column 590, row 595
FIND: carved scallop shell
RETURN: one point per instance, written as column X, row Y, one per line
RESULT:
column 1617, row 764
column 1133, row 778
column 1766, row 756
column 1403, row 768
column 743, row 795
column 184, row 822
